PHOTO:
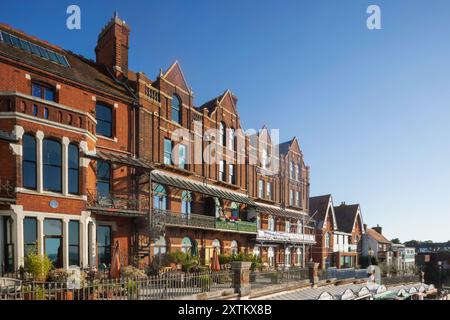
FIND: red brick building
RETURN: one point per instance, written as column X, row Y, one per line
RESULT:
column 339, row 233
column 94, row 154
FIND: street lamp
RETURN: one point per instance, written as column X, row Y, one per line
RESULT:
column 440, row 275
column 371, row 253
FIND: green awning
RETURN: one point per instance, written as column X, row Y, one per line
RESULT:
column 199, row 187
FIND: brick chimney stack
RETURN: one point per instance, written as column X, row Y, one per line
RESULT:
column 378, row 229
column 112, row 47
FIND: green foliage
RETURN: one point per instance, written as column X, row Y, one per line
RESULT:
column 38, row 266
column 132, row 272
column 255, row 260
column 364, row 261
column 396, row 241
column 189, row 263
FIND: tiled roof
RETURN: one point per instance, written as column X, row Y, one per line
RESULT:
column 284, row 146
column 319, row 204
column 345, row 217
column 377, row 236
column 80, row 70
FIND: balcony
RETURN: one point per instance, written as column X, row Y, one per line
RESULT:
column 268, row 235
column 7, row 191
column 169, row 218
column 47, row 111
column 127, row 204
column 239, row 226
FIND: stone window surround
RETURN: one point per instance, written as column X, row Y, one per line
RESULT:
column 87, row 225
column 39, row 135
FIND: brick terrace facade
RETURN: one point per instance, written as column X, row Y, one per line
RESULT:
column 88, row 163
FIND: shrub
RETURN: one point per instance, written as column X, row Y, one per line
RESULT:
column 38, row 266
column 58, row 275
column 132, row 272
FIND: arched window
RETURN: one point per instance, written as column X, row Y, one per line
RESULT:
column 29, row 161
column 159, row 246
column 231, row 139
column 222, row 137
column 176, row 109
column 159, row 197
column 234, row 210
column 52, row 165
column 103, row 178
column 287, row 256
column 299, row 226
column 216, row 245
column 292, row 170
column 103, row 115
column 74, row 164
column 271, row 256
column 186, row 245
column 287, row 226
column 271, row 224
column 299, row 256
column 234, row 247
column 186, row 200
column 327, row 240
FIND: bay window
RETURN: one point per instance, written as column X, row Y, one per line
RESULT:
column 29, row 162
column 52, row 165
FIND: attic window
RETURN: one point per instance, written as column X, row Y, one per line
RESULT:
column 33, row 49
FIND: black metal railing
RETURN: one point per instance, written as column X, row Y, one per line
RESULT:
column 118, row 201
column 286, row 276
column 183, row 219
column 397, row 279
column 7, row 189
column 165, row 286
column 342, row 274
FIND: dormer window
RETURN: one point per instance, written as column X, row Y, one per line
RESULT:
column 43, row 91
column 176, row 109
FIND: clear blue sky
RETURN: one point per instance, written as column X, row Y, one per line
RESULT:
column 371, row 109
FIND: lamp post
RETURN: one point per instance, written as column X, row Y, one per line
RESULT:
column 370, row 252
column 440, row 275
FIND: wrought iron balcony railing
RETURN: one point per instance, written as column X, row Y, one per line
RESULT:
column 127, row 202
column 7, row 189
column 165, row 217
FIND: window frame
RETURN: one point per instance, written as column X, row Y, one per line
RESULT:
column 261, row 188
column 110, row 121
column 77, row 245
column 73, row 169
column 103, row 180
column 26, row 244
column 49, row 165
column 44, row 88
column 59, row 261
column 176, row 110
column 168, row 161
column 33, row 162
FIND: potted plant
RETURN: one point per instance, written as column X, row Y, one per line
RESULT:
column 38, row 266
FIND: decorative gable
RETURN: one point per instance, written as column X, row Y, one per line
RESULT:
column 175, row 76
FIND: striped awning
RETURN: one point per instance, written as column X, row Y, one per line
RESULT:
column 203, row 188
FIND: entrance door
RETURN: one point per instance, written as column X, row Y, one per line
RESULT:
column 103, row 247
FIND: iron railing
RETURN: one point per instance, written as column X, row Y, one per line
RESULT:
column 286, row 276
column 397, row 279
column 166, row 217
column 138, row 203
column 160, row 287
column 342, row 274
column 7, row 189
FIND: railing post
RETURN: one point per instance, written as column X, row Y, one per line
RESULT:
column 313, row 273
column 241, row 278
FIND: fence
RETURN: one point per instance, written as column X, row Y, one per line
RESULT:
column 167, row 286
column 397, row 279
column 277, row 277
column 341, row 274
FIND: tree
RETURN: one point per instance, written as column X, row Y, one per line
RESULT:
column 396, row 241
